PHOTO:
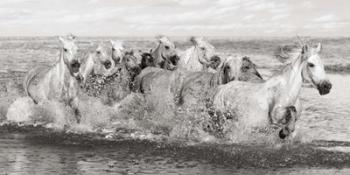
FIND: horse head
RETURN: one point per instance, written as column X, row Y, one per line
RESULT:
column 167, row 51
column 313, row 70
column 117, row 51
column 147, row 60
column 70, row 55
column 122, row 56
column 215, row 62
column 204, row 49
column 240, row 68
column 103, row 59
column 130, row 61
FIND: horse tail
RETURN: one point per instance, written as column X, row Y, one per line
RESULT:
column 28, row 80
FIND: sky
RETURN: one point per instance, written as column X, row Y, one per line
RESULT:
column 325, row 18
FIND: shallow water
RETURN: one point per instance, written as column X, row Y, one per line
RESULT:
column 321, row 144
column 327, row 117
column 39, row 153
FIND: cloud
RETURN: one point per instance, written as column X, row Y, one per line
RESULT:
column 180, row 17
column 307, row 5
column 192, row 2
column 326, row 18
column 248, row 17
column 12, row 2
column 279, row 17
column 227, row 2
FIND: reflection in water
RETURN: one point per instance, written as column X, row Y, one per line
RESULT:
column 20, row 157
column 37, row 154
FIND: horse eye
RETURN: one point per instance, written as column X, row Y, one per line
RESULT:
column 167, row 47
column 113, row 49
column 98, row 52
column 310, row 64
column 65, row 50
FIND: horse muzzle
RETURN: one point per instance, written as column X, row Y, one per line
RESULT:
column 174, row 59
column 79, row 78
column 107, row 64
column 215, row 62
column 75, row 66
column 284, row 133
column 324, row 87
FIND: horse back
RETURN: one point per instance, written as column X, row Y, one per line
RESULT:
column 196, row 87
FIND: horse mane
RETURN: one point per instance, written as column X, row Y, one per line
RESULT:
column 194, row 39
column 285, row 52
column 159, row 36
column 288, row 53
column 293, row 55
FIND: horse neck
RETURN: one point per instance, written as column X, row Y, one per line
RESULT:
column 288, row 84
column 216, row 78
column 62, row 69
column 156, row 53
column 124, row 69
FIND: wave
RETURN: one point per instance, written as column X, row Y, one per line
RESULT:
column 338, row 68
column 232, row 155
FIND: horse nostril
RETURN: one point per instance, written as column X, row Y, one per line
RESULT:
column 107, row 64
column 328, row 85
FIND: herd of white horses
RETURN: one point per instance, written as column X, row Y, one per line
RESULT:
column 230, row 87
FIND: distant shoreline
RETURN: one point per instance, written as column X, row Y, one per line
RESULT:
column 229, row 37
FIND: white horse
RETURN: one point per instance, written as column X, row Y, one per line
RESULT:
column 114, row 68
column 60, row 82
column 164, row 88
column 198, row 85
column 198, row 57
column 258, row 105
column 99, row 62
column 163, row 56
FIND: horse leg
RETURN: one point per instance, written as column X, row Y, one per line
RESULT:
column 298, row 107
column 74, row 103
column 289, row 119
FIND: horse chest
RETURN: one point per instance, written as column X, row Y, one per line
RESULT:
column 194, row 65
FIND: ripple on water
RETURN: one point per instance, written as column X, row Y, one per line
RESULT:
column 327, row 117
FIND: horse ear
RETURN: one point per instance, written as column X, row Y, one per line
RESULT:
column 62, row 40
column 305, row 49
column 193, row 40
column 160, row 38
column 112, row 42
column 319, row 48
column 71, row 37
